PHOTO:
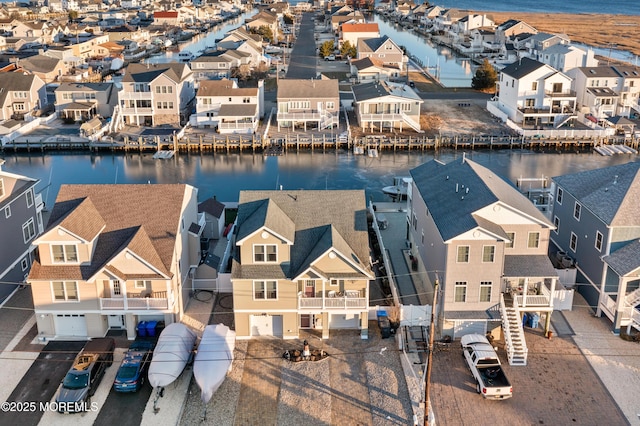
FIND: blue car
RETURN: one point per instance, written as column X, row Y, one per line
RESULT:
column 133, row 370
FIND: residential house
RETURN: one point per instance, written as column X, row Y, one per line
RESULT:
column 83, row 46
column 629, row 90
column 596, row 91
column 531, row 93
column 28, row 29
column 222, row 104
column 127, row 32
column 168, row 18
column 264, row 18
column 308, row 101
column 532, row 45
column 597, row 224
column 244, row 47
column 114, row 255
column 211, row 66
column 565, row 57
column 339, row 19
column 372, row 69
column 48, row 69
column 447, row 18
column 511, row 28
column 20, row 222
column 351, row 32
column 383, row 49
column 486, row 244
column 20, row 94
column 301, row 261
column 155, row 94
column 464, row 25
column 385, row 104
column 109, row 49
column 83, row 101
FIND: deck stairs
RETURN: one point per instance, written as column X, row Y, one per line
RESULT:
column 633, row 298
column 515, row 343
column 411, row 122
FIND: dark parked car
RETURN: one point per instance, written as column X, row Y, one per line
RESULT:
column 133, row 370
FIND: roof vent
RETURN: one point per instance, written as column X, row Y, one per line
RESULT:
column 615, row 179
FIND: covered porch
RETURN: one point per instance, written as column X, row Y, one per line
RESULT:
column 78, row 111
column 238, row 118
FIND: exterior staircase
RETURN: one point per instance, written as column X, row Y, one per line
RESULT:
column 515, row 343
column 633, row 299
column 411, row 122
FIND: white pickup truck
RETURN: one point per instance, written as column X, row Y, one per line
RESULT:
column 484, row 364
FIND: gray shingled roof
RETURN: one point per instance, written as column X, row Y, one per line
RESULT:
column 478, row 187
column 611, row 193
column 307, row 89
column 522, row 67
column 14, row 185
column 528, row 266
column 212, row 206
column 146, row 73
column 625, row 260
column 238, row 110
column 371, row 44
column 374, row 90
column 320, row 219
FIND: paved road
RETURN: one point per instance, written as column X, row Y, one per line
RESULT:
column 41, row 381
column 303, row 56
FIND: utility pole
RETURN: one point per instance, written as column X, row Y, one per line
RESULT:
column 432, row 327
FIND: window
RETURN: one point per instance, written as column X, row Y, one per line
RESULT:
column 24, row 263
column 142, row 284
column 335, row 282
column 598, row 241
column 576, row 211
column 573, row 242
column 64, row 253
column 488, row 253
column 265, row 290
column 414, row 220
column 512, row 239
column 28, row 230
column 422, row 238
column 534, row 86
column 534, row 240
column 559, row 196
column 331, row 105
column 64, row 290
column 117, row 289
column 461, row 291
column 485, row 291
column 265, row 253
column 29, row 196
column 463, row 254
column 556, row 223
column 7, row 212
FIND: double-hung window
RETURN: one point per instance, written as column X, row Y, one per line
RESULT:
column 64, row 253
column 485, row 291
column 534, row 240
column 64, row 291
column 461, row 291
column 28, row 230
column 265, row 290
column 463, row 254
column 488, row 254
column 265, row 253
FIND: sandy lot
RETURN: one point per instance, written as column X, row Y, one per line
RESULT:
column 458, row 117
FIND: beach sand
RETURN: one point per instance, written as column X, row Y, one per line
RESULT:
column 600, row 30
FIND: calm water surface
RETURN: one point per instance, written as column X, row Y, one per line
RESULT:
column 224, row 175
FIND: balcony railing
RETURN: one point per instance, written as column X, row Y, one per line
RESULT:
column 137, row 111
column 299, row 116
column 348, row 302
column 381, row 117
column 561, row 94
column 124, row 303
column 147, row 96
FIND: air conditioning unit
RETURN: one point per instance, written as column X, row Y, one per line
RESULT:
column 567, row 262
column 560, row 254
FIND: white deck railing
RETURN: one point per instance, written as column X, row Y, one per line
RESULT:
column 347, row 303
column 146, row 303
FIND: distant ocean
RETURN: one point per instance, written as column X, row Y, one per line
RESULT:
column 615, row 7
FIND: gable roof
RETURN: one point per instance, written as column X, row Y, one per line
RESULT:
column 306, row 89
column 626, row 259
column 454, row 192
column 212, row 206
column 224, row 87
column 146, row 73
column 374, row 90
column 131, row 217
column 357, row 27
column 522, row 68
column 372, row 44
column 612, row 193
column 315, row 221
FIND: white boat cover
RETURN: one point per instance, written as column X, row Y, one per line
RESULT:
column 171, row 354
column 214, row 358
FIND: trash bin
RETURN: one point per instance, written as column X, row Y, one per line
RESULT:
column 533, row 320
column 385, row 326
column 159, row 327
column 525, row 320
column 142, row 329
column 151, row 328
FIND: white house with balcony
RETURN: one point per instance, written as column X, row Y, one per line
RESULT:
column 535, row 95
column 596, row 91
column 223, row 105
column 301, row 261
column 114, row 255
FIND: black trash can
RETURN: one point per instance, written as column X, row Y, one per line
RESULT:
column 385, row 327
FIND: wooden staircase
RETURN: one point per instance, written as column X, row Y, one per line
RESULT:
column 515, row 343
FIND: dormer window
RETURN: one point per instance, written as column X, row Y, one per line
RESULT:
column 66, row 253
column 263, row 253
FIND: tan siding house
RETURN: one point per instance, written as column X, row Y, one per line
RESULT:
column 110, row 258
column 301, row 102
column 301, row 262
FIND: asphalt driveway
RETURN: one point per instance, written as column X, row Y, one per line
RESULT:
column 41, row 381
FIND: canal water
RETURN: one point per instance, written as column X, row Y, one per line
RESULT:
column 225, row 175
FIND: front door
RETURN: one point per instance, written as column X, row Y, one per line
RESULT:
column 116, row 321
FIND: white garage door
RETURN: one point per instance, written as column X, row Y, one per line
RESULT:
column 464, row 327
column 71, row 325
column 266, row 325
column 344, row 321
